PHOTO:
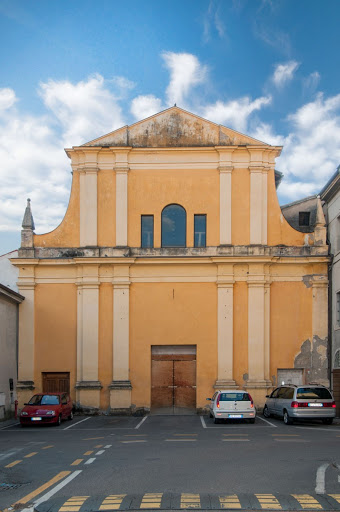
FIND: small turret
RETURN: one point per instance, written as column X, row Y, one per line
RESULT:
column 320, row 230
column 27, row 227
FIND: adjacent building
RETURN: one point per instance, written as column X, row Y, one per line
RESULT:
column 9, row 311
column 173, row 273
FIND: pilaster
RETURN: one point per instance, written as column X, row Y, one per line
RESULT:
column 88, row 206
column 319, row 359
column 120, row 388
column 225, row 292
column 258, row 204
column 88, row 386
column 225, row 204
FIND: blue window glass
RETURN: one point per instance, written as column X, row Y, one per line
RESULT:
column 200, row 228
column 147, row 230
column 174, row 226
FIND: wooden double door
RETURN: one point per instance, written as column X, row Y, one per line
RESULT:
column 56, row 382
column 173, row 380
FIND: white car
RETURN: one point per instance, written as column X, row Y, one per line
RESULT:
column 232, row 405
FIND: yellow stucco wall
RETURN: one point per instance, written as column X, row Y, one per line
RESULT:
column 55, row 331
column 150, row 191
column 240, row 211
column 172, row 314
column 291, row 325
column 67, row 233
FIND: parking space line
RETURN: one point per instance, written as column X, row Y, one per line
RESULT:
column 42, row 488
column 134, row 441
column 89, row 452
column 268, row 501
column 186, row 440
column 77, row 423
column 9, row 426
column 47, row 447
column 77, row 462
column 204, row 425
column 235, row 440
column 108, row 446
column 141, row 422
column 13, row 463
column 230, row 501
column 100, row 452
column 266, row 421
column 112, row 502
column 30, row 455
column 99, row 446
column 307, row 502
column 89, row 461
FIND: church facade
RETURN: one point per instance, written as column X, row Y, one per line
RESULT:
column 172, row 274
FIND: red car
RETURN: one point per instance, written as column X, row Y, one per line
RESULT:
column 47, row 408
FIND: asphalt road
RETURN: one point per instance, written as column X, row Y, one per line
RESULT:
column 169, row 462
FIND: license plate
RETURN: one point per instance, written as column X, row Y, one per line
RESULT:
column 315, row 405
column 235, row 416
column 36, row 419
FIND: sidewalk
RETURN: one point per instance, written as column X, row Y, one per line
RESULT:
column 8, row 423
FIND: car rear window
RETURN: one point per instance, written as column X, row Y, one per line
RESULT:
column 234, row 397
column 313, row 393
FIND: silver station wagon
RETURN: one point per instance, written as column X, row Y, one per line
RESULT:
column 306, row 402
column 232, row 405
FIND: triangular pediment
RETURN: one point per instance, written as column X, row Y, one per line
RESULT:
column 174, row 127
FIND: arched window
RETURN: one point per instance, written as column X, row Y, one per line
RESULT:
column 174, row 220
column 337, row 359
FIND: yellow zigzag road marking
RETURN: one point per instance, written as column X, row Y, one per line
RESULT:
column 307, row 501
column 73, row 504
column 112, row 502
column 230, row 501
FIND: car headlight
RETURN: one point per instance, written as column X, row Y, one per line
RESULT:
column 50, row 413
column 24, row 413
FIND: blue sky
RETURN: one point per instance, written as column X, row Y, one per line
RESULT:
column 72, row 71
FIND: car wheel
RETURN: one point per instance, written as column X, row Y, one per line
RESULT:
column 23, row 425
column 216, row 420
column 252, row 420
column 210, row 415
column 59, row 420
column 266, row 412
column 71, row 416
column 287, row 420
column 327, row 421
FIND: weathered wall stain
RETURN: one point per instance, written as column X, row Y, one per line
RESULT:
column 313, row 358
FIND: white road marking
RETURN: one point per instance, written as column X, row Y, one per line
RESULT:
column 108, row 446
column 235, row 440
column 10, row 453
column 89, row 461
column 77, row 423
column 8, row 426
column 100, row 452
column 320, row 479
column 53, row 491
column 141, row 422
column 269, row 422
column 203, row 422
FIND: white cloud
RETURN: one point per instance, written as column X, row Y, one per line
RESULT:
column 85, row 110
column 7, row 98
column 311, row 82
column 235, row 113
column 312, row 150
column 145, row 106
column 264, row 133
column 186, row 72
column 284, row 73
column 212, row 18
